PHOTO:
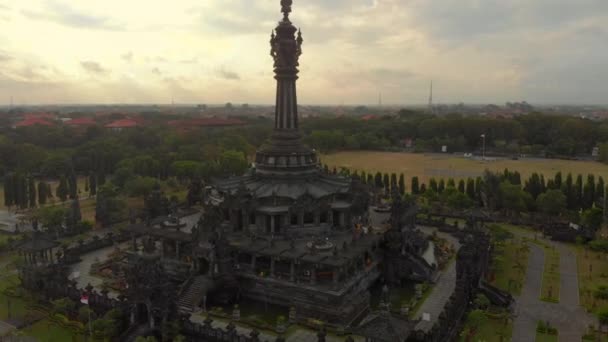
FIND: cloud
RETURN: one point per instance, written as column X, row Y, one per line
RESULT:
column 127, row 57
column 227, row 74
column 93, row 67
column 4, row 58
column 68, row 16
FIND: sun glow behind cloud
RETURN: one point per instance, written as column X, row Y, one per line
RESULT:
column 212, row 51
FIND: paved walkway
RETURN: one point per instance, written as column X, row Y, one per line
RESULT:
column 570, row 319
column 442, row 291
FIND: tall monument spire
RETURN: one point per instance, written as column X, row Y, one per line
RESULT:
column 285, row 49
column 285, row 150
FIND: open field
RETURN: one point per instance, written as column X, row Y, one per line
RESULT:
column 592, row 273
column 426, row 166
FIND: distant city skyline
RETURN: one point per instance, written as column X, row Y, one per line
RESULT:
column 212, row 51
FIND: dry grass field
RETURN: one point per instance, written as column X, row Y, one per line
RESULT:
column 426, row 166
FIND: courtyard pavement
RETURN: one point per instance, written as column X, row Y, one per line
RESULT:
column 570, row 319
column 84, row 267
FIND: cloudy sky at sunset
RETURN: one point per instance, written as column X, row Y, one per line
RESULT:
column 215, row 51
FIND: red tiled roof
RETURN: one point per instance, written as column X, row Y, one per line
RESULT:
column 369, row 117
column 29, row 116
column 205, row 122
column 81, row 122
column 33, row 121
column 124, row 123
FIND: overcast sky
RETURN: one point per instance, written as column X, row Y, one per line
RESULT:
column 215, row 51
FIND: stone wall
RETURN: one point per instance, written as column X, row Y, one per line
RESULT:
column 207, row 332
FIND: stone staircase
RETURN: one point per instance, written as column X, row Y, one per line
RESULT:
column 193, row 293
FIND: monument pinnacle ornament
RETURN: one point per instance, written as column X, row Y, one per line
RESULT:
column 285, row 153
column 286, row 8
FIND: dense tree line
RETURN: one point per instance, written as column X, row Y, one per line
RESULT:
column 580, row 199
column 534, row 133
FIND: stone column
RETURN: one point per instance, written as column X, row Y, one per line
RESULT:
column 51, row 255
column 292, row 271
column 341, row 218
column 317, row 215
column 253, row 257
column 335, row 275
column 300, row 219
column 272, row 218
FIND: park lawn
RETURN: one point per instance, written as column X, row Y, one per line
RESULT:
column 592, row 273
column 492, row 330
column 425, row 166
column 87, row 209
column 551, row 277
column 47, row 331
column 540, row 337
column 17, row 306
column 509, row 266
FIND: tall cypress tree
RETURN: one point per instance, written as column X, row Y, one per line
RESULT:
column 378, row 180
column 31, row 188
column 42, row 193
column 461, row 186
column 451, row 183
column 470, row 188
column 568, row 190
column 22, row 193
column 589, row 192
column 402, row 184
column 433, row 185
column 393, row 180
column 441, row 186
column 363, row 177
column 600, row 190
column 558, row 180
column 415, row 185
column 73, row 186
column 578, row 192
column 62, row 191
column 92, row 184
column 386, row 182
column 370, row 179
column 9, row 194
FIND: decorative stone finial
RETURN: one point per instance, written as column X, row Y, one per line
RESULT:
column 286, row 8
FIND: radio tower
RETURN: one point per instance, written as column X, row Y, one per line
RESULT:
column 430, row 109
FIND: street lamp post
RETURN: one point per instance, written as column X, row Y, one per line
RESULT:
column 483, row 149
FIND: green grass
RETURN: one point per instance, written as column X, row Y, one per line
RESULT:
column 540, row 337
column 592, row 273
column 491, row 331
column 47, row 331
column 551, row 277
column 509, row 265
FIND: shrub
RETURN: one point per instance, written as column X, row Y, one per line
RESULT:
column 601, row 292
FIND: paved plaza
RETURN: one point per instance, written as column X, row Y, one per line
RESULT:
column 570, row 319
